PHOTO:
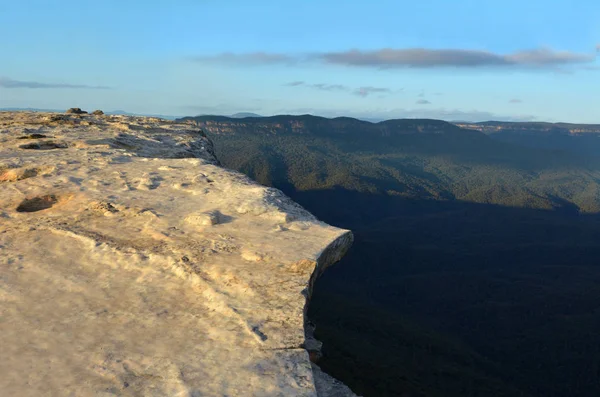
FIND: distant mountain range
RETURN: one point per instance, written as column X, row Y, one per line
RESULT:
column 488, row 127
column 29, row 110
column 493, row 127
column 244, row 115
column 113, row 112
column 309, row 124
column 414, row 158
column 124, row 113
column 571, row 137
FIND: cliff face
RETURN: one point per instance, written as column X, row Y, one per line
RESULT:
column 494, row 127
column 131, row 263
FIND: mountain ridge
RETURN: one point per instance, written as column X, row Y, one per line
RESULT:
column 491, row 127
column 318, row 125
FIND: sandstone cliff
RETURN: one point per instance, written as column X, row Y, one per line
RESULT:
column 132, row 264
column 536, row 128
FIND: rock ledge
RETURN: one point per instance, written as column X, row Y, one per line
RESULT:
column 132, row 264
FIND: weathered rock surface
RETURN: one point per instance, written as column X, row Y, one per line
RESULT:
column 328, row 386
column 131, row 264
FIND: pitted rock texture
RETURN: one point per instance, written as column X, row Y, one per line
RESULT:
column 132, row 264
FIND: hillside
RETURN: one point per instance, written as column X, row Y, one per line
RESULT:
column 474, row 268
column 578, row 139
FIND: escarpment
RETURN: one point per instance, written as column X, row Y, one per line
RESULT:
column 132, row 264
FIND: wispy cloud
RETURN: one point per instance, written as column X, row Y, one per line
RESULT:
column 10, row 83
column 515, row 100
column 434, row 58
column 424, row 58
column 319, row 86
column 360, row 91
column 251, row 58
column 366, row 91
column 423, row 102
column 329, row 87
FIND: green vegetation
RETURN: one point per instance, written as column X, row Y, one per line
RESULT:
column 423, row 159
column 474, row 271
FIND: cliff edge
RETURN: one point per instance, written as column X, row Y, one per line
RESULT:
column 132, row 264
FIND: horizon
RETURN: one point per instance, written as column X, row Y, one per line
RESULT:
column 502, row 61
column 236, row 115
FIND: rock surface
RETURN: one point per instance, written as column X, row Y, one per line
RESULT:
column 132, row 264
column 328, row 386
column 76, row 111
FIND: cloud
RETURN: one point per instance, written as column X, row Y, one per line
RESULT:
column 329, row 87
column 251, row 58
column 515, row 100
column 360, row 91
column 423, row 102
column 319, row 86
column 423, row 58
column 10, row 83
column 435, row 58
column 366, row 91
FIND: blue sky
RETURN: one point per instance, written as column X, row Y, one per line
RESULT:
column 456, row 60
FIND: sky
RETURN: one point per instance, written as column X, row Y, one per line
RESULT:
column 466, row 60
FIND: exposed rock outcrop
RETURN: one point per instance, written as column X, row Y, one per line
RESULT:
column 132, row 264
column 76, row 111
column 328, row 386
column 532, row 128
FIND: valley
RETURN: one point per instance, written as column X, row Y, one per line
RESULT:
column 474, row 267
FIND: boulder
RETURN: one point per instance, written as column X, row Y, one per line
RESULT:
column 76, row 111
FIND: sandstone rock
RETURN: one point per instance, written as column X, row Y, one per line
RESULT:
column 328, row 386
column 207, row 218
column 97, row 112
column 76, row 111
column 131, row 264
